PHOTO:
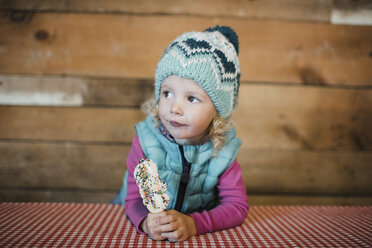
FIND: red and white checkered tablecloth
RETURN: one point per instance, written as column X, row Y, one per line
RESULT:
column 104, row 225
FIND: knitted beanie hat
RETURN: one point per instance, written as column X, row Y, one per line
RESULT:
column 210, row 58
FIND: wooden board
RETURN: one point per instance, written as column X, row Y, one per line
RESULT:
column 256, row 199
column 352, row 12
column 45, row 195
column 314, row 10
column 352, row 4
column 77, row 72
column 267, row 117
column 115, row 125
column 309, row 118
column 283, row 171
column 62, row 166
column 106, row 197
column 124, row 46
column 73, row 91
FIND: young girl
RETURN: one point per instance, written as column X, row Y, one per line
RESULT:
column 189, row 135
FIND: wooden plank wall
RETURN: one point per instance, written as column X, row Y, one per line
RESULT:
column 74, row 73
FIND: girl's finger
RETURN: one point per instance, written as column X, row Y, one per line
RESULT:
column 166, row 228
column 157, row 237
column 165, row 220
column 174, row 236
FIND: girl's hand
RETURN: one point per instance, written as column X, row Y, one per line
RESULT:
column 150, row 226
column 171, row 225
column 175, row 226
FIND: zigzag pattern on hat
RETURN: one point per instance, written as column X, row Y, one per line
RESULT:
column 208, row 58
column 197, row 44
column 216, row 74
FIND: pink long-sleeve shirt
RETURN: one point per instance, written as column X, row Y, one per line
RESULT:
column 231, row 211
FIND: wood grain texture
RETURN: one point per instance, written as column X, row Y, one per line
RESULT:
column 58, row 166
column 106, row 197
column 64, row 195
column 283, row 171
column 69, row 124
column 311, row 10
column 73, row 91
column 352, row 4
column 77, row 72
column 256, row 199
column 267, row 117
column 124, row 46
column 62, row 165
column 304, row 118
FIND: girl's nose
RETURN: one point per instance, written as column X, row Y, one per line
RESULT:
column 176, row 108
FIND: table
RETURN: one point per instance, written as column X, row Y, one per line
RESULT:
column 105, row 225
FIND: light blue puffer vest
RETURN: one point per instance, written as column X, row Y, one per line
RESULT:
column 201, row 193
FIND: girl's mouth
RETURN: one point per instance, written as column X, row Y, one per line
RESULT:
column 176, row 124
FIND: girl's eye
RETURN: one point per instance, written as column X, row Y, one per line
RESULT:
column 166, row 93
column 192, row 99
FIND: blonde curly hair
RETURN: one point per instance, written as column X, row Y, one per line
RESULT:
column 218, row 128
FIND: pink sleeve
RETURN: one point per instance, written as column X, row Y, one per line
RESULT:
column 134, row 207
column 233, row 207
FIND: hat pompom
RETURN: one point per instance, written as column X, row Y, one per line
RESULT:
column 228, row 33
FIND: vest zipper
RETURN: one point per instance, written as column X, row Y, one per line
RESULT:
column 185, row 178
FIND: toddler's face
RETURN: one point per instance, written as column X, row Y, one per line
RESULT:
column 185, row 110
